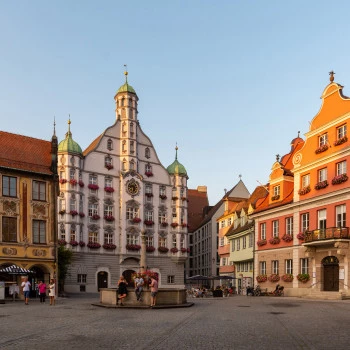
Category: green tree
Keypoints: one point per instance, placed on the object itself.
(64, 260)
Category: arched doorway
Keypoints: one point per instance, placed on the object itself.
(102, 280)
(127, 275)
(330, 274)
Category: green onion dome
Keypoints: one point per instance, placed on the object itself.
(68, 144)
(176, 168)
(126, 87)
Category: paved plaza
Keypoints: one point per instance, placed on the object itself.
(237, 322)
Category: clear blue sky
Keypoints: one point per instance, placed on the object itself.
(231, 82)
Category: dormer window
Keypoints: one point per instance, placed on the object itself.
(147, 153)
(109, 145)
(108, 163)
(276, 190)
(148, 170)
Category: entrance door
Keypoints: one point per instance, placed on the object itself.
(330, 273)
(102, 280)
(127, 275)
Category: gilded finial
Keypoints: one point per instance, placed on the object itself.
(331, 78)
(126, 73)
(176, 148)
(277, 157)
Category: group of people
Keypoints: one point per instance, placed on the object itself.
(138, 285)
(42, 287)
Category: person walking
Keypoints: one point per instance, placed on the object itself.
(139, 282)
(122, 290)
(26, 290)
(52, 292)
(154, 291)
(42, 291)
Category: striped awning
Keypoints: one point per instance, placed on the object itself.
(15, 270)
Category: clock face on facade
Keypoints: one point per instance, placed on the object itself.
(132, 188)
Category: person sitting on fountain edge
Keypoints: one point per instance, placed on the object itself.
(139, 282)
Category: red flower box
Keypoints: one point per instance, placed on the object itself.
(150, 249)
(81, 215)
(74, 243)
(93, 187)
(109, 166)
(63, 181)
(339, 179)
(321, 185)
(109, 217)
(133, 247)
(73, 212)
(274, 278)
(149, 173)
(162, 196)
(109, 246)
(62, 242)
(82, 244)
(174, 224)
(95, 217)
(304, 190)
(109, 189)
(287, 238)
(261, 278)
(174, 250)
(261, 242)
(94, 245)
(340, 141)
(136, 220)
(321, 149)
(163, 249)
(164, 224)
(148, 222)
(301, 236)
(81, 183)
(73, 182)
(274, 240)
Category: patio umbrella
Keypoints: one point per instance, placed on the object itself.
(198, 278)
(15, 270)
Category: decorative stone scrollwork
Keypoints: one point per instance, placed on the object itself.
(93, 227)
(39, 210)
(163, 233)
(133, 230)
(108, 229)
(9, 251)
(148, 206)
(149, 233)
(162, 208)
(132, 203)
(109, 201)
(39, 252)
(310, 252)
(93, 199)
(10, 207)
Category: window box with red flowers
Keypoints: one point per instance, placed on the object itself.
(174, 198)
(147, 194)
(94, 245)
(288, 277)
(274, 240)
(183, 198)
(82, 244)
(136, 220)
(133, 247)
(184, 250)
(174, 250)
(304, 190)
(81, 215)
(261, 242)
(62, 242)
(93, 187)
(320, 185)
(62, 212)
(303, 277)
(162, 196)
(73, 212)
(150, 249)
(287, 237)
(149, 173)
(74, 243)
(63, 181)
(174, 224)
(148, 222)
(73, 182)
(184, 225)
(301, 236)
(339, 179)
(109, 217)
(261, 278)
(340, 141)
(321, 149)
(81, 183)
(95, 217)
(109, 246)
(275, 198)
(163, 249)
(109, 189)
(108, 166)
(274, 278)
(164, 224)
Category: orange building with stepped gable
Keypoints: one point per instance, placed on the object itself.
(302, 239)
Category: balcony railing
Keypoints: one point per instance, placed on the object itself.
(327, 233)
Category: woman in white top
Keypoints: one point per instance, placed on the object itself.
(52, 291)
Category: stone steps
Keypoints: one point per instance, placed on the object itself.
(316, 294)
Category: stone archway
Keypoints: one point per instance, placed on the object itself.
(330, 274)
(102, 280)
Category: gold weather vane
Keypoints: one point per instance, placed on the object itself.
(126, 73)
(331, 78)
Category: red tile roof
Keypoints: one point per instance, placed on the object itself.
(25, 153)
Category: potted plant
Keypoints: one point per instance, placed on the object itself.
(133, 247)
(164, 224)
(274, 240)
(93, 187)
(184, 225)
(288, 277)
(303, 277)
(62, 242)
(63, 181)
(95, 217)
(174, 198)
(148, 222)
(148, 194)
(287, 238)
(109, 217)
(82, 244)
(184, 250)
(321, 149)
(340, 141)
(339, 179)
(274, 277)
(275, 198)
(261, 278)
(304, 190)
(301, 236)
(320, 185)
(93, 245)
(109, 246)
(148, 173)
(81, 183)
(174, 224)
(73, 182)
(163, 249)
(136, 220)
(73, 243)
(109, 189)
(73, 212)
(108, 166)
(81, 215)
(174, 250)
(62, 212)
(150, 249)
(261, 242)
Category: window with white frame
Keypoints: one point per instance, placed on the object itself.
(323, 140)
(276, 190)
(174, 213)
(132, 239)
(108, 181)
(174, 241)
(39, 190)
(305, 180)
(132, 212)
(322, 219)
(62, 232)
(108, 210)
(92, 209)
(340, 212)
(149, 241)
(341, 131)
(304, 265)
(322, 175)
(148, 169)
(289, 266)
(162, 241)
(244, 242)
(223, 261)
(73, 234)
(222, 241)
(93, 237)
(274, 265)
(262, 267)
(73, 204)
(233, 245)
(108, 238)
(289, 226)
(109, 145)
(149, 215)
(108, 162)
(171, 279)
(161, 217)
(305, 218)
(162, 191)
(92, 179)
(81, 278)
(229, 221)
(71, 174)
(251, 240)
(263, 230)
(238, 244)
(222, 223)
(182, 242)
(341, 168)
(275, 228)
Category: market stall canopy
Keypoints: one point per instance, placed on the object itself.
(198, 278)
(15, 270)
(222, 278)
